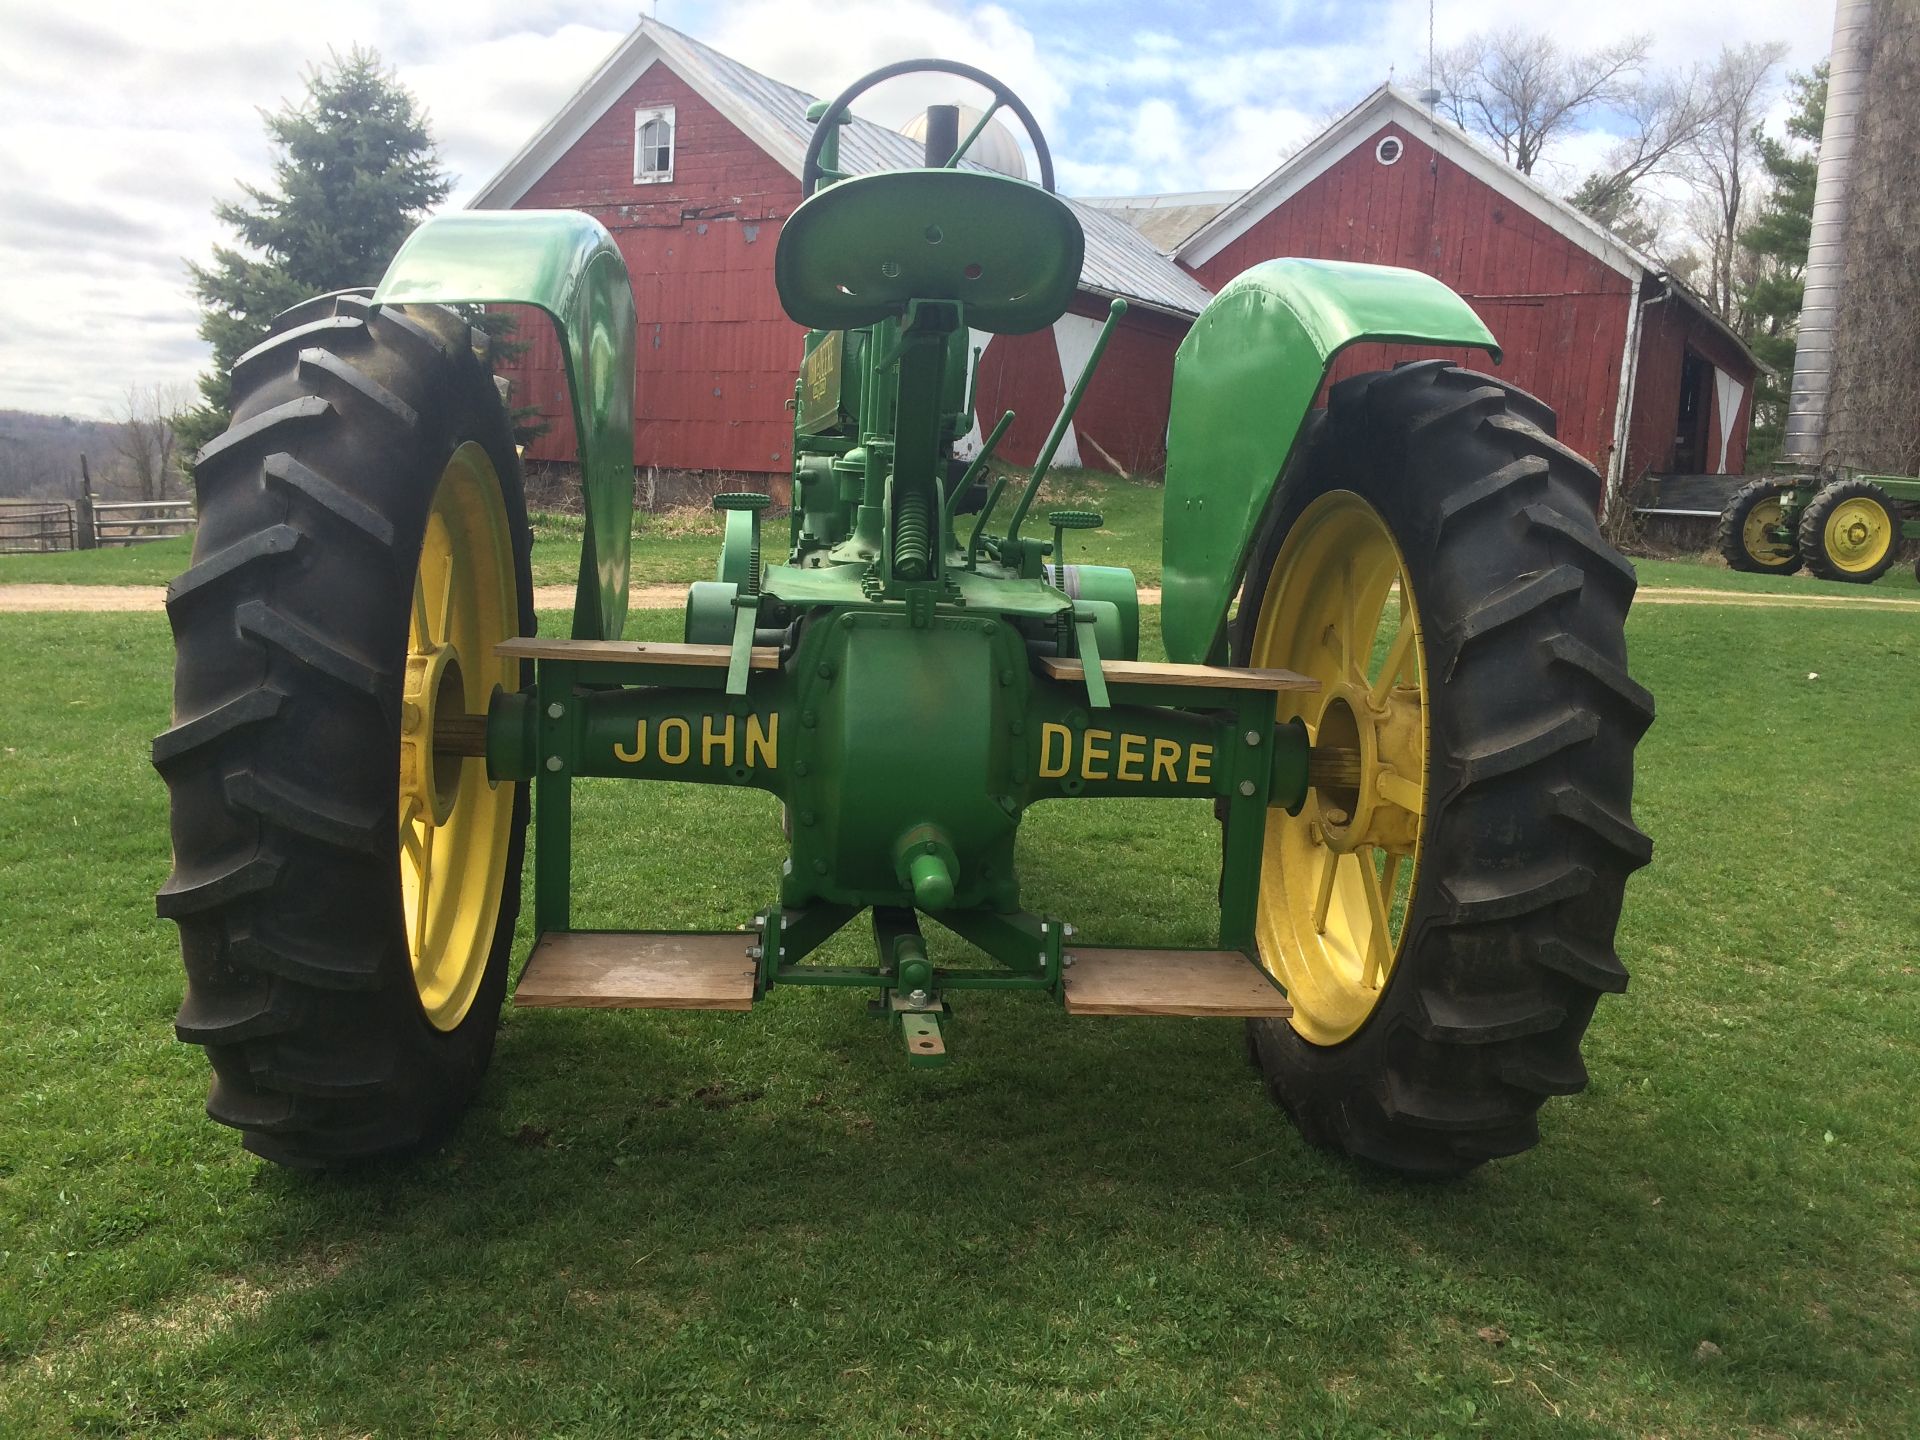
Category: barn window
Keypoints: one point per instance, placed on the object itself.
(1388, 150)
(653, 145)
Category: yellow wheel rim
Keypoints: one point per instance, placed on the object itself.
(1858, 535)
(454, 822)
(1336, 879)
(1756, 533)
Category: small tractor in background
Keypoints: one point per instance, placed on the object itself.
(1416, 729)
(1841, 527)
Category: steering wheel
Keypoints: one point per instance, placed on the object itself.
(812, 170)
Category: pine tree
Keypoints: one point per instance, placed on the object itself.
(356, 170)
(1778, 239)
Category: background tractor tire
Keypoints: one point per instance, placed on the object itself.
(1526, 836)
(293, 631)
(1850, 531)
(1738, 548)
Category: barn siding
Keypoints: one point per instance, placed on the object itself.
(1124, 411)
(716, 356)
(1668, 327)
(1559, 312)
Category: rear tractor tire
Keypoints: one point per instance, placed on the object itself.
(1746, 536)
(346, 878)
(1442, 910)
(1850, 531)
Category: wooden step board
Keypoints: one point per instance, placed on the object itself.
(1155, 672)
(634, 652)
(612, 970)
(1169, 982)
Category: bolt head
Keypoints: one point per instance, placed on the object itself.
(1246, 787)
(917, 997)
(556, 710)
(1253, 737)
(554, 762)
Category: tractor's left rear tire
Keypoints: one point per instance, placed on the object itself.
(1745, 535)
(1442, 911)
(346, 878)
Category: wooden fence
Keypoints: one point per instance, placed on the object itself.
(128, 522)
(29, 527)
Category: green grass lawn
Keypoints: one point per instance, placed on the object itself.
(767, 1225)
(154, 563)
(1899, 583)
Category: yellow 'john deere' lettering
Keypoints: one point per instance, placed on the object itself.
(1123, 756)
(721, 741)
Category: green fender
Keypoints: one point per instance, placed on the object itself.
(1243, 380)
(564, 263)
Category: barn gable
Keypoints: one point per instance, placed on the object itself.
(1392, 183)
(717, 354)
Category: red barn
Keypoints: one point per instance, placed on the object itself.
(692, 161)
(1643, 376)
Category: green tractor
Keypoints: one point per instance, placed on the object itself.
(1416, 728)
(1841, 527)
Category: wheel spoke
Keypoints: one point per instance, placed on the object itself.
(425, 860)
(1398, 790)
(446, 601)
(422, 629)
(411, 844)
(1329, 867)
(1378, 939)
(1397, 655)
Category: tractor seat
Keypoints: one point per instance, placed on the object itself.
(858, 251)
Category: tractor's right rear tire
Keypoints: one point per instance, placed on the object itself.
(1442, 910)
(1742, 537)
(1850, 531)
(346, 878)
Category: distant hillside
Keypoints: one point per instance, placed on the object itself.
(40, 455)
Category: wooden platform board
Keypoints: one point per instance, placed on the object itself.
(633, 652)
(608, 970)
(1205, 677)
(1169, 982)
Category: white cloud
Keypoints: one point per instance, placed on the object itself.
(125, 121)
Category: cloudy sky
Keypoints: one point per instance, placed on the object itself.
(123, 122)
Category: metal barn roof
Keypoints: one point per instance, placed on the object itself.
(1120, 261)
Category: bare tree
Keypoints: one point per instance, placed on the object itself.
(145, 440)
(1667, 114)
(1519, 89)
(1720, 163)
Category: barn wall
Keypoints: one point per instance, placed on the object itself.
(716, 357)
(1125, 408)
(1668, 328)
(1559, 312)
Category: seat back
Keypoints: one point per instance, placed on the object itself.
(859, 250)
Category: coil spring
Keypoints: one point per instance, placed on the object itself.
(912, 537)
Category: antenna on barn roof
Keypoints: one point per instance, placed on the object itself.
(1430, 97)
(1432, 89)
